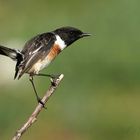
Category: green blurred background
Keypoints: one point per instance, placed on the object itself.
(99, 98)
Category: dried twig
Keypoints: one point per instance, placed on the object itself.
(37, 110)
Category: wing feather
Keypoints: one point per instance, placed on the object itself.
(34, 50)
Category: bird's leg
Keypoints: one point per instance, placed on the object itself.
(52, 76)
(37, 97)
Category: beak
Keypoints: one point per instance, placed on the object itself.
(85, 34)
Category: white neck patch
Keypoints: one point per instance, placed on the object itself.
(60, 42)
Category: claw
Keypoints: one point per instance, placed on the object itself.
(54, 79)
(39, 101)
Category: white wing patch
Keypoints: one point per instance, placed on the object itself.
(60, 42)
(30, 53)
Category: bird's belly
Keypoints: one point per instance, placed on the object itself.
(42, 63)
(39, 65)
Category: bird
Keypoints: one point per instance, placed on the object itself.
(40, 51)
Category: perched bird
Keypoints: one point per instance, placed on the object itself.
(39, 52)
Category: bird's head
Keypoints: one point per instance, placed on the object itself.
(70, 34)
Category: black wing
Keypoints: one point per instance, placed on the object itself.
(35, 49)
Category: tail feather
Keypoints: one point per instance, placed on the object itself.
(12, 53)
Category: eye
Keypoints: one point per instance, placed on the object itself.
(71, 32)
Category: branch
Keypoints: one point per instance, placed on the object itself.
(38, 109)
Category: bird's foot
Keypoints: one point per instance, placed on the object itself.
(40, 101)
(54, 79)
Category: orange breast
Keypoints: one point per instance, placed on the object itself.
(41, 63)
(54, 52)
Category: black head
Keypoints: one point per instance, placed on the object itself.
(70, 34)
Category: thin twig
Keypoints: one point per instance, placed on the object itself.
(37, 110)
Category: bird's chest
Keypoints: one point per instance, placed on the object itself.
(46, 60)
